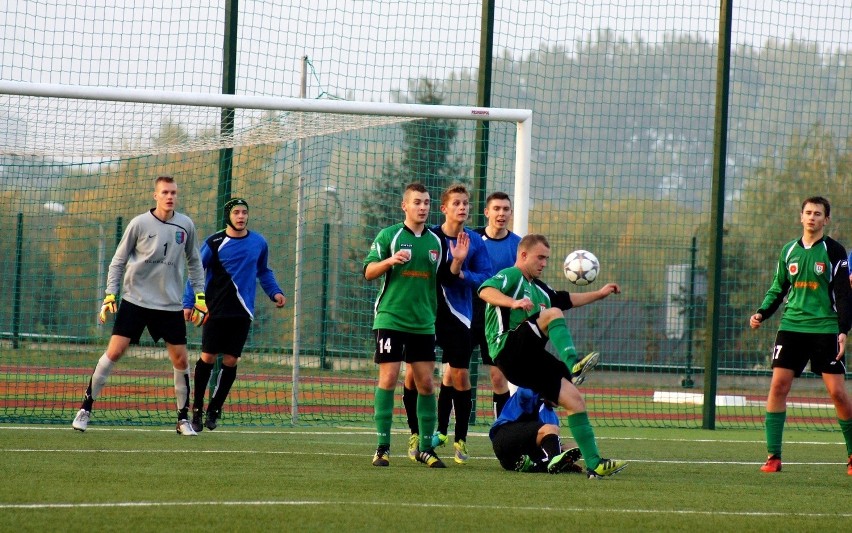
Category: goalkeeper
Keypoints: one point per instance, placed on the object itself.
(233, 259)
(149, 263)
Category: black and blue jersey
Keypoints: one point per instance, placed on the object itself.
(232, 265)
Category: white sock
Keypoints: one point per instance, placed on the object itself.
(100, 375)
(182, 388)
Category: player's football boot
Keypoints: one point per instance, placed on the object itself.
(438, 440)
(581, 370)
(607, 467)
(382, 456)
(565, 462)
(524, 464)
(460, 449)
(413, 446)
(196, 420)
(185, 428)
(773, 464)
(212, 421)
(849, 466)
(81, 421)
(428, 458)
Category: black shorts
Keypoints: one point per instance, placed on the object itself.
(132, 319)
(793, 350)
(455, 341)
(395, 346)
(225, 335)
(526, 363)
(511, 441)
(477, 332)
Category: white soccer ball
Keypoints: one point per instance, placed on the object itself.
(581, 267)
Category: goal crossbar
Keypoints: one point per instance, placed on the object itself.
(287, 129)
(269, 103)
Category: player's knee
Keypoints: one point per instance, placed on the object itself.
(548, 429)
(570, 398)
(499, 381)
(549, 315)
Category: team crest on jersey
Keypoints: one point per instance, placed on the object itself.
(180, 236)
(433, 255)
(793, 269)
(819, 268)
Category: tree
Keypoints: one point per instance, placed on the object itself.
(427, 157)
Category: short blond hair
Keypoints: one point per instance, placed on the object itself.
(528, 241)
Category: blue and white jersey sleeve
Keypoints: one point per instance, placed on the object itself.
(233, 266)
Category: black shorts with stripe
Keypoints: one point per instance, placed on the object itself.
(526, 362)
(454, 338)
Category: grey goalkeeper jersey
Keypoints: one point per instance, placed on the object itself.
(150, 259)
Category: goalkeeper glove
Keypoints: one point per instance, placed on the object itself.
(199, 311)
(108, 305)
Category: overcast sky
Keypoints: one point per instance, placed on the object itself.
(138, 43)
(358, 49)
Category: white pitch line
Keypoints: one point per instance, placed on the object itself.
(337, 504)
(338, 454)
(354, 431)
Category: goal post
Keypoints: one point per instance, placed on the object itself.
(85, 127)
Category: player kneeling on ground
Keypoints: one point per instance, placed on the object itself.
(525, 437)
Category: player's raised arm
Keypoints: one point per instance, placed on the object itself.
(498, 299)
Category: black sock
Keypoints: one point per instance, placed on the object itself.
(409, 400)
(500, 400)
(87, 399)
(463, 402)
(202, 378)
(226, 378)
(550, 446)
(445, 407)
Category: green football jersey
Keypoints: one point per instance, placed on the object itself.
(499, 321)
(408, 297)
(815, 282)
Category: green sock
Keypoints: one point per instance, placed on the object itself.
(383, 406)
(562, 341)
(427, 416)
(584, 436)
(846, 428)
(775, 431)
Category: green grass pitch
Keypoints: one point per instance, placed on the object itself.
(311, 479)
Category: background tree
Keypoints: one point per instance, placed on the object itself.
(427, 157)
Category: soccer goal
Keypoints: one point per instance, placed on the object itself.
(321, 177)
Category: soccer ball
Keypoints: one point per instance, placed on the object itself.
(581, 267)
